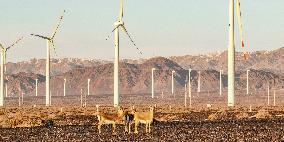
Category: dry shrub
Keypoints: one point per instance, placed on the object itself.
(218, 116)
(242, 115)
(15, 118)
(262, 114)
(167, 117)
(4, 121)
(213, 116)
(2, 111)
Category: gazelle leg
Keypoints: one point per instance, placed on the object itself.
(125, 127)
(146, 127)
(149, 127)
(99, 128)
(129, 128)
(113, 126)
(136, 131)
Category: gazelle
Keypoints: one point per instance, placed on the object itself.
(128, 118)
(107, 118)
(145, 118)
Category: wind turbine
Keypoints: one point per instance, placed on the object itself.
(189, 87)
(3, 62)
(89, 86)
(49, 42)
(231, 50)
(199, 76)
(64, 87)
(36, 86)
(248, 82)
(220, 88)
(119, 24)
(173, 83)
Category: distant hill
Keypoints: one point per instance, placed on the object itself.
(271, 61)
(58, 66)
(135, 75)
(136, 79)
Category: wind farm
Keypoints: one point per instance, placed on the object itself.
(191, 76)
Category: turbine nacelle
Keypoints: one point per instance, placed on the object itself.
(50, 40)
(118, 23)
(5, 49)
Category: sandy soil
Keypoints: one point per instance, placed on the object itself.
(177, 124)
(172, 121)
(257, 130)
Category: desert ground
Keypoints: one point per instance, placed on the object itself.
(66, 120)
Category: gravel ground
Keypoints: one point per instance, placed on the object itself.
(243, 130)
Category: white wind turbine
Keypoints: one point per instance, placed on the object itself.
(189, 87)
(89, 86)
(3, 62)
(173, 83)
(220, 87)
(117, 25)
(64, 87)
(231, 50)
(199, 76)
(49, 42)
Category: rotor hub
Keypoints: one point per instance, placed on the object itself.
(118, 23)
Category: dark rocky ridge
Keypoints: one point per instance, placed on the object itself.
(136, 78)
(136, 75)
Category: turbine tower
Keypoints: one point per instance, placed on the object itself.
(36, 86)
(231, 50)
(89, 86)
(117, 25)
(189, 87)
(3, 62)
(248, 82)
(49, 43)
(64, 87)
(199, 76)
(221, 72)
(173, 82)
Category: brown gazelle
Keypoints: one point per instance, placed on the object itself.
(128, 120)
(107, 118)
(145, 118)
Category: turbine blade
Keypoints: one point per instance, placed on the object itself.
(57, 27)
(1, 46)
(5, 56)
(124, 29)
(121, 10)
(239, 15)
(52, 43)
(44, 37)
(15, 43)
(111, 32)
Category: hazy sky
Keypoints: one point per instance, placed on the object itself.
(159, 27)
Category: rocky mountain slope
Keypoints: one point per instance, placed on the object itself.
(271, 61)
(266, 68)
(58, 66)
(22, 83)
(136, 78)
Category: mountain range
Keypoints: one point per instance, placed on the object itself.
(135, 75)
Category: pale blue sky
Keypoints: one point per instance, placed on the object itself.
(160, 27)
